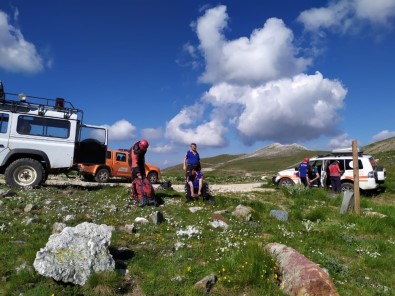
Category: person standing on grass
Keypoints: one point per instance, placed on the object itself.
(303, 171)
(191, 160)
(137, 159)
(313, 177)
(334, 175)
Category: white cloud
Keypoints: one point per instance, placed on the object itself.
(344, 15)
(152, 133)
(121, 130)
(287, 110)
(341, 141)
(268, 53)
(184, 128)
(378, 11)
(162, 148)
(257, 89)
(17, 54)
(385, 134)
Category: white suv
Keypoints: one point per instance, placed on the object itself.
(40, 136)
(370, 175)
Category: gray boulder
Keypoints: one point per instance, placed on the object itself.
(279, 215)
(72, 255)
(206, 283)
(243, 212)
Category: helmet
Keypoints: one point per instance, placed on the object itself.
(143, 144)
(306, 159)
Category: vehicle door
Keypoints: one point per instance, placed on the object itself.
(121, 166)
(324, 176)
(91, 145)
(4, 134)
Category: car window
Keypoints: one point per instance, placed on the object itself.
(121, 156)
(349, 165)
(3, 122)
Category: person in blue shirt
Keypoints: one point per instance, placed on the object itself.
(191, 160)
(195, 182)
(303, 171)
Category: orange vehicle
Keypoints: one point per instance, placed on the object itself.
(117, 165)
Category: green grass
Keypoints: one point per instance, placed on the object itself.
(358, 251)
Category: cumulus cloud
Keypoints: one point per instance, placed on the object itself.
(344, 15)
(300, 108)
(385, 134)
(258, 89)
(121, 130)
(268, 53)
(183, 128)
(152, 133)
(341, 141)
(16, 53)
(162, 148)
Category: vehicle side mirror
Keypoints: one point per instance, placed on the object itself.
(296, 168)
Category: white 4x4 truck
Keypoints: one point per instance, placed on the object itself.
(370, 175)
(40, 136)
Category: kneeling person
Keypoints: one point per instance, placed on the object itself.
(195, 186)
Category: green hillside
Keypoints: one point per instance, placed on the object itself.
(245, 166)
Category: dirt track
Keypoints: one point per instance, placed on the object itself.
(62, 181)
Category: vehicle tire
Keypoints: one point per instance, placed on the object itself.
(347, 186)
(153, 177)
(102, 176)
(286, 182)
(24, 173)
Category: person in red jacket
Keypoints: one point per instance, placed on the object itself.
(137, 159)
(334, 174)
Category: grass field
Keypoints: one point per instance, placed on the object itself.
(357, 250)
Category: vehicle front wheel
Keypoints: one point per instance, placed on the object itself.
(347, 187)
(102, 176)
(24, 173)
(153, 177)
(286, 182)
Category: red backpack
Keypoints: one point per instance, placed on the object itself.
(143, 192)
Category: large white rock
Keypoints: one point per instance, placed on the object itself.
(72, 255)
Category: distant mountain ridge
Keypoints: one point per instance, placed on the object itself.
(275, 157)
(277, 149)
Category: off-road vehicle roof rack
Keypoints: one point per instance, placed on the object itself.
(22, 103)
(344, 152)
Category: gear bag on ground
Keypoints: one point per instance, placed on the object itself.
(143, 192)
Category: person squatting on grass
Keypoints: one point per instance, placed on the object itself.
(195, 181)
(196, 187)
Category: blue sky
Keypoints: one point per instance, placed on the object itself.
(232, 76)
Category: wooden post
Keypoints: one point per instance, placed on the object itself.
(356, 177)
